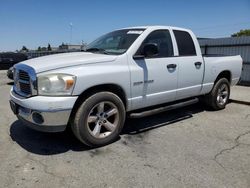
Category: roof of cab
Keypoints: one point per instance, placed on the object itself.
(155, 27)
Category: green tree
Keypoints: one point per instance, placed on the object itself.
(25, 49)
(243, 32)
(39, 48)
(49, 47)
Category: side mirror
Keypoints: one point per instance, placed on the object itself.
(149, 50)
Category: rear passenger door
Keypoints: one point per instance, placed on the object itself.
(191, 66)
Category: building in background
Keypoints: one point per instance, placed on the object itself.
(230, 46)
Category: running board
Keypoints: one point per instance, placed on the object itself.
(163, 109)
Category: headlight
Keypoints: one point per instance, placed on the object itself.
(56, 84)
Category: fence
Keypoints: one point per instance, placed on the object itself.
(230, 46)
(33, 54)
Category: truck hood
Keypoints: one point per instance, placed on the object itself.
(62, 60)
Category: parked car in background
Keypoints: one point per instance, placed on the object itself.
(9, 59)
(132, 72)
(10, 73)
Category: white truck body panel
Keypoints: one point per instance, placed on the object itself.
(63, 60)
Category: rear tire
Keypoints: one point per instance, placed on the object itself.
(218, 98)
(99, 120)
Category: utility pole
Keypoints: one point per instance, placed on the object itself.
(71, 28)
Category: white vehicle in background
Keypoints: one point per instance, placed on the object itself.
(135, 71)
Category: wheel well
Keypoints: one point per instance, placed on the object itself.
(104, 87)
(224, 74)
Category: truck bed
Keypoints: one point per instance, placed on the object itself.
(216, 63)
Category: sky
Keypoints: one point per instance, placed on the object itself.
(36, 23)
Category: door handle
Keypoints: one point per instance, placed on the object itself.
(197, 63)
(171, 66)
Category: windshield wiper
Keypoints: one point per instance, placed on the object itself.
(96, 50)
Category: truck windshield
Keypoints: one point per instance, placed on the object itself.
(115, 43)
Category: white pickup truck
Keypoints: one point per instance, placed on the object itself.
(121, 73)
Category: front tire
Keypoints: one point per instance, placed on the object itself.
(99, 120)
(218, 98)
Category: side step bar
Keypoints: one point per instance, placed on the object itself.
(163, 109)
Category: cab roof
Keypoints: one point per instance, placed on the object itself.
(153, 27)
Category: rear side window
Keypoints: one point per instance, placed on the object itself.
(185, 43)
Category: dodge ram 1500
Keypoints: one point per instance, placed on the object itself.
(120, 74)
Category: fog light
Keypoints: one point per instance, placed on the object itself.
(37, 118)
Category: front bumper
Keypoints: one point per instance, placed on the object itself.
(42, 113)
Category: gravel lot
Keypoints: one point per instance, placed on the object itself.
(189, 147)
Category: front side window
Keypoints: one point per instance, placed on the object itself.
(116, 42)
(185, 43)
(163, 41)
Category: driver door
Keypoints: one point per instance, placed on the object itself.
(154, 79)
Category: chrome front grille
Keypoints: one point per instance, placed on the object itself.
(23, 75)
(25, 87)
(24, 80)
